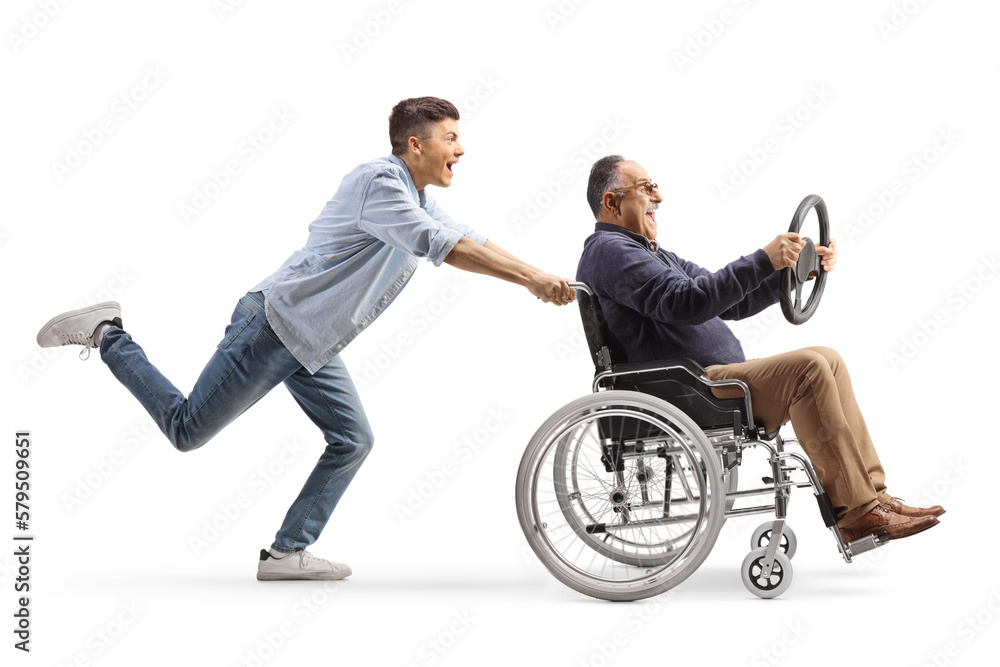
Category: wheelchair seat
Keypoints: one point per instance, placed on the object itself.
(678, 381)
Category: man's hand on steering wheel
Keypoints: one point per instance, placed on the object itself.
(801, 260)
(784, 250)
(828, 256)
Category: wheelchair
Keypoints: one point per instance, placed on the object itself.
(622, 493)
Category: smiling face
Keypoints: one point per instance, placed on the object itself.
(634, 210)
(431, 159)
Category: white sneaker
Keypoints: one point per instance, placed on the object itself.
(299, 565)
(77, 327)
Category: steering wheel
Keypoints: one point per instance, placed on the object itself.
(793, 278)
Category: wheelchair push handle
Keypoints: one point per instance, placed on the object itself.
(583, 287)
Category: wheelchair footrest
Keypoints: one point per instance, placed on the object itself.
(867, 543)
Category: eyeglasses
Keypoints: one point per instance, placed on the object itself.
(646, 186)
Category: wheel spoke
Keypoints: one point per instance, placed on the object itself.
(571, 490)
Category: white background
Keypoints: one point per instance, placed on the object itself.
(544, 89)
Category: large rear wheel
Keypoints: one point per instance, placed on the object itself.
(620, 495)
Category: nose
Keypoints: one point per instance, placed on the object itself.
(459, 151)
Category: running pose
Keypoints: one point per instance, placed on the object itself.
(291, 327)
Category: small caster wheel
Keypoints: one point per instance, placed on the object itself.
(773, 586)
(761, 537)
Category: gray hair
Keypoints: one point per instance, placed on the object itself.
(604, 177)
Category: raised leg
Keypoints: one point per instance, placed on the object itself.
(247, 363)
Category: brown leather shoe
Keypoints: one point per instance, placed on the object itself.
(897, 506)
(882, 519)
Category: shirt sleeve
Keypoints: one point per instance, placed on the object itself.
(764, 296)
(439, 214)
(757, 299)
(671, 290)
(390, 215)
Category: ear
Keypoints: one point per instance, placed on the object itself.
(610, 201)
(413, 145)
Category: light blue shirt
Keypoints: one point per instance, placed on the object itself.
(361, 251)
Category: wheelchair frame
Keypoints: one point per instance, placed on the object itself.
(772, 543)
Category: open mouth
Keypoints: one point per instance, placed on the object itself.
(651, 215)
(449, 165)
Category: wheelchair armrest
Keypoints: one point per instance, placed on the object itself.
(690, 365)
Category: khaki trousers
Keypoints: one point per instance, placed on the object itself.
(813, 389)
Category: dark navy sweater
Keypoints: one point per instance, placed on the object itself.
(659, 306)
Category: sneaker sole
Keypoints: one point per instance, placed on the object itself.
(73, 313)
(313, 576)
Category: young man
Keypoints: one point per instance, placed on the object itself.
(291, 327)
(660, 306)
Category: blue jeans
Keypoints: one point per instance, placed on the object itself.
(248, 363)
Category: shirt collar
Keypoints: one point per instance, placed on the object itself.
(608, 227)
(408, 179)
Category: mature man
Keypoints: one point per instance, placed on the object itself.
(660, 306)
(291, 327)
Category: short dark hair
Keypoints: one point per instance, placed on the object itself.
(411, 118)
(604, 177)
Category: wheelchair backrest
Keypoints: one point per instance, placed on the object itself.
(595, 329)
